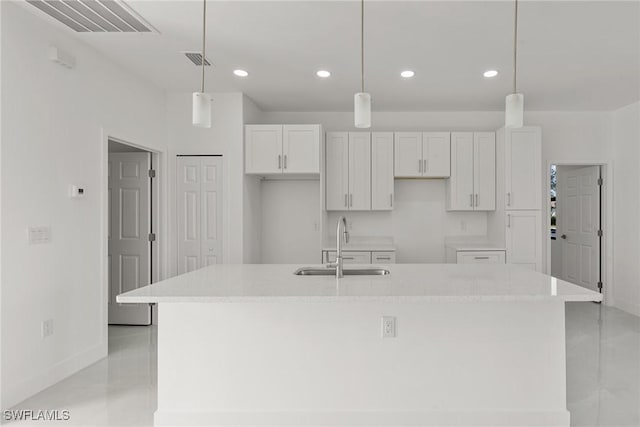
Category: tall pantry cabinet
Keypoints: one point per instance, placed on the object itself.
(518, 217)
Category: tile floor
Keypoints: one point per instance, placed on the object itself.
(603, 375)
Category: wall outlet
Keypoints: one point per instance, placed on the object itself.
(388, 327)
(47, 328)
(463, 225)
(39, 235)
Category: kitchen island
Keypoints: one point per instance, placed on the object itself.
(257, 345)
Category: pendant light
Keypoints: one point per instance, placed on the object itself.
(202, 100)
(514, 105)
(362, 100)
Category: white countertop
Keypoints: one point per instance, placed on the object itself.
(473, 243)
(362, 247)
(236, 283)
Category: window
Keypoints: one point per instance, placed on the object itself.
(552, 195)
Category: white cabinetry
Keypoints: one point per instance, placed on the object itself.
(524, 239)
(472, 186)
(361, 257)
(523, 168)
(480, 257)
(282, 149)
(381, 171)
(348, 171)
(422, 154)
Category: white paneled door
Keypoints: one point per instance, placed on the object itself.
(129, 229)
(578, 214)
(199, 212)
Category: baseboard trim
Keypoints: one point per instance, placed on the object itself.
(628, 307)
(16, 393)
(361, 419)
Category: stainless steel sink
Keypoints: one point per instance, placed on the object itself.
(315, 271)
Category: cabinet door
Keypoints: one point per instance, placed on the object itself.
(359, 171)
(350, 257)
(436, 154)
(408, 154)
(301, 149)
(378, 257)
(523, 168)
(524, 239)
(484, 171)
(382, 171)
(337, 171)
(263, 149)
(460, 186)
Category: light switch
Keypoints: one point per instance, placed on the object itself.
(39, 235)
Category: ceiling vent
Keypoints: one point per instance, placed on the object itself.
(95, 16)
(196, 58)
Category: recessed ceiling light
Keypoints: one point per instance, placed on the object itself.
(490, 73)
(240, 73)
(407, 74)
(323, 73)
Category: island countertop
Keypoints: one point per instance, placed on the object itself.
(235, 283)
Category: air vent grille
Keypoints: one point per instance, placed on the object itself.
(94, 16)
(196, 58)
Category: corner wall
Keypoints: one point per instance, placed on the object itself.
(52, 136)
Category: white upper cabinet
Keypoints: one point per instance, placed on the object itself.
(436, 154)
(523, 168)
(301, 149)
(422, 154)
(348, 171)
(359, 171)
(460, 185)
(382, 171)
(408, 154)
(282, 149)
(472, 186)
(263, 149)
(337, 171)
(484, 170)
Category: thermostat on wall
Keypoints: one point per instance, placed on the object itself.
(76, 192)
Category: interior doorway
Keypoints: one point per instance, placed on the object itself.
(576, 224)
(131, 234)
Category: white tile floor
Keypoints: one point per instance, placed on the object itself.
(603, 375)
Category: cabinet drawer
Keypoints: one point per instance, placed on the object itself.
(350, 257)
(480, 257)
(383, 257)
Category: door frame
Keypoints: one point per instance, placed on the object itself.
(606, 221)
(158, 207)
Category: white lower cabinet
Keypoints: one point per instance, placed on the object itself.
(361, 257)
(480, 257)
(524, 239)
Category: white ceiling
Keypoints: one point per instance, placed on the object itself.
(573, 55)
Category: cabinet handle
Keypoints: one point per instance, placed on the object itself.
(348, 257)
(508, 220)
(471, 200)
(350, 200)
(346, 203)
(391, 199)
(476, 199)
(285, 161)
(384, 258)
(509, 199)
(480, 257)
(279, 161)
(420, 165)
(424, 166)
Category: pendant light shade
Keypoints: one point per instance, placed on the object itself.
(362, 110)
(202, 109)
(514, 111)
(201, 115)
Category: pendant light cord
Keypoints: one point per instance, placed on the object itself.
(362, 43)
(204, 38)
(515, 48)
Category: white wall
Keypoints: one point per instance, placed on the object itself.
(626, 151)
(52, 137)
(225, 137)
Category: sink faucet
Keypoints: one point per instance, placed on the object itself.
(345, 234)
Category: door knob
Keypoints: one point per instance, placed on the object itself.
(564, 236)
